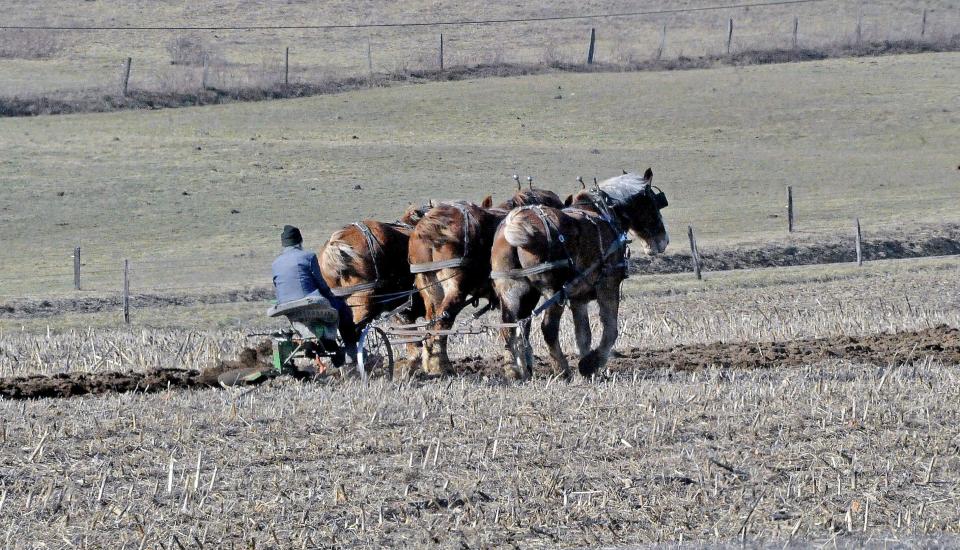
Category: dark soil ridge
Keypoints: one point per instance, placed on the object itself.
(940, 344)
(940, 240)
(142, 99)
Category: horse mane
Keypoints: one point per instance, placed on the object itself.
(623, 188)
(338, 257)
(526, 197)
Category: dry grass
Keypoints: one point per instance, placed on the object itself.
(658, 312)
(724, 143)
(835, 451)
(92, 62)
(840, 452)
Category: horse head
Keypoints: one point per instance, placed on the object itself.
(635, 203)
(413, 213)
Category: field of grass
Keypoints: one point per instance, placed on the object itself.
(57, 63)
(854, 137)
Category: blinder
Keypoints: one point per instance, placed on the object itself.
(659, 198)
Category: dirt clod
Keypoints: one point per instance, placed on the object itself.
(940, 344)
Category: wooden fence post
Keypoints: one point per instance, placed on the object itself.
(663, 41)
(369, 59)
(796, 27)
(789, 209)
(76, 268)
(859, 26)
(593, 42)
(126, 76)
(286, 67)
(694, 253)
(203, 78)
(126, 291)
(729, 35)
(441, 52)
(859, 245)
(923, 24)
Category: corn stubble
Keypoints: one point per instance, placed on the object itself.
(828, 451)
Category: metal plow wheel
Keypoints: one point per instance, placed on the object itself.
(375, 354)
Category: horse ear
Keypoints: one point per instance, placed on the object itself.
(568, 201)
(648, 176)
(432, 203)
(487, 202)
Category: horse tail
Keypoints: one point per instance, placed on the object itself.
(338, 258)
(518, 230)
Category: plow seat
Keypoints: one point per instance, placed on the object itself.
(311, 317)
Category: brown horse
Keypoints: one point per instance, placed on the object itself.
(449, 252)
(366, 264)
(576, 254)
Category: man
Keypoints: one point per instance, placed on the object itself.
(296, 275)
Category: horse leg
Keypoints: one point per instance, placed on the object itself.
(551, 335)
(581, 325)
(609, 301)
(404, 367)
(436, 360)
(517, 300)
(432, 295)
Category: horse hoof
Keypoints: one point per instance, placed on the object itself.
(433, 366)
(512, 372)
(590, 364)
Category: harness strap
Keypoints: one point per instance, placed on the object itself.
(535, 270)
(348, 290)
(372, 245)
(437, 266)
(453, 262)
(616, 245)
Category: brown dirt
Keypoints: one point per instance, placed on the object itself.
(941, 344)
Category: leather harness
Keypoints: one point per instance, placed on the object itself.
(452, 262)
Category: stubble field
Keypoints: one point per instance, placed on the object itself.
(804, 404)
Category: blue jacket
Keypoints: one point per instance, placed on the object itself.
(296, 275)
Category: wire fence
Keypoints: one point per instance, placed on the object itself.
(186, 55)
(210, 273)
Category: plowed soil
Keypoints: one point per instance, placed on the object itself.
(940, 344)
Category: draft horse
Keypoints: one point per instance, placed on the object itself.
(449, 254)
(366, 264)
(577, 254)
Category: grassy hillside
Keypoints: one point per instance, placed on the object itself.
(865, 138)
(57, 63)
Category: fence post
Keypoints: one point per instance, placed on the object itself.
(369, 59)
(203, 78)
(859, 245)
(789, 209)
(441, 52)
(796, 27)
(126, 76)
(663, 41)
(729, 35)
(923, 24)
(76, 268)
(126, 291)
(859, 25)
(593, 42)
(286, 67)
(694, 253)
